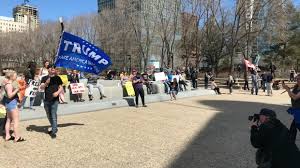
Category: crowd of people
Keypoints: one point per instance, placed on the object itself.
(52, 88)
(174, 82)
(259, 80)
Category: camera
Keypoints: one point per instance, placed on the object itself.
(254, 118)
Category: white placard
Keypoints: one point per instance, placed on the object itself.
(77, 88)
(32, 89)
(160, 76)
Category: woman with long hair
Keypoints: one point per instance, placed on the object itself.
(44, 70)
(10, 101)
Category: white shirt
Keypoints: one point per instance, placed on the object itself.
(213, 85)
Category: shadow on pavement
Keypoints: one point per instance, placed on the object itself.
(225, 140)
(44, 129)
(130, 101)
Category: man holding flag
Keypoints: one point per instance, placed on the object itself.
(73, 53)
(52, 84)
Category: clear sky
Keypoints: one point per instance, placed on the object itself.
(297, 2)
(53, 9)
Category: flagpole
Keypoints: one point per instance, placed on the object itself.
(61, 24)
(60, 37)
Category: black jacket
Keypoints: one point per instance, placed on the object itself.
(273, 138)
(74, 78)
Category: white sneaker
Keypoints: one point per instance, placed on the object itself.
(42, 104)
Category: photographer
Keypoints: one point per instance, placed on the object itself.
(270, 136)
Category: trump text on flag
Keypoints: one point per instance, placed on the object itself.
(78, 54)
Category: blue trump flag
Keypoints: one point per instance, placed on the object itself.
(76, 53)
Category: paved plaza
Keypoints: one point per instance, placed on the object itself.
(198, 132)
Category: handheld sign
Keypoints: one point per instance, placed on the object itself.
(64, 79)
(129, 88)
(160, 76)
(32, 89)
(76, 53)
(77, 88)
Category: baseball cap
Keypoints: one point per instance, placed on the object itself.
(268, 113)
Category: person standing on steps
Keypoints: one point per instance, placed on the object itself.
(194, 77)
(269, 84)
(263, 77)
(230, 83)
(75, 79)
(254, 78)
(138, 88)
(246, 84)
(206, 79)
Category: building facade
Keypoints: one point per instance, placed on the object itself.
(8, 24)
(27, 14)
(24, 18)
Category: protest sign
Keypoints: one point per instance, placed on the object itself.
(129, 89)
(160, 76)
(64, 79)
(77, 88)
(32, 88)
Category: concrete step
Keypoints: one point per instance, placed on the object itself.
(97, 105)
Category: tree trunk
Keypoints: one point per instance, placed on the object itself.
(232, 56)
(186, 59)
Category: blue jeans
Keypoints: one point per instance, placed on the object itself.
(167, 87)
(31, 101)
(51, 111)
